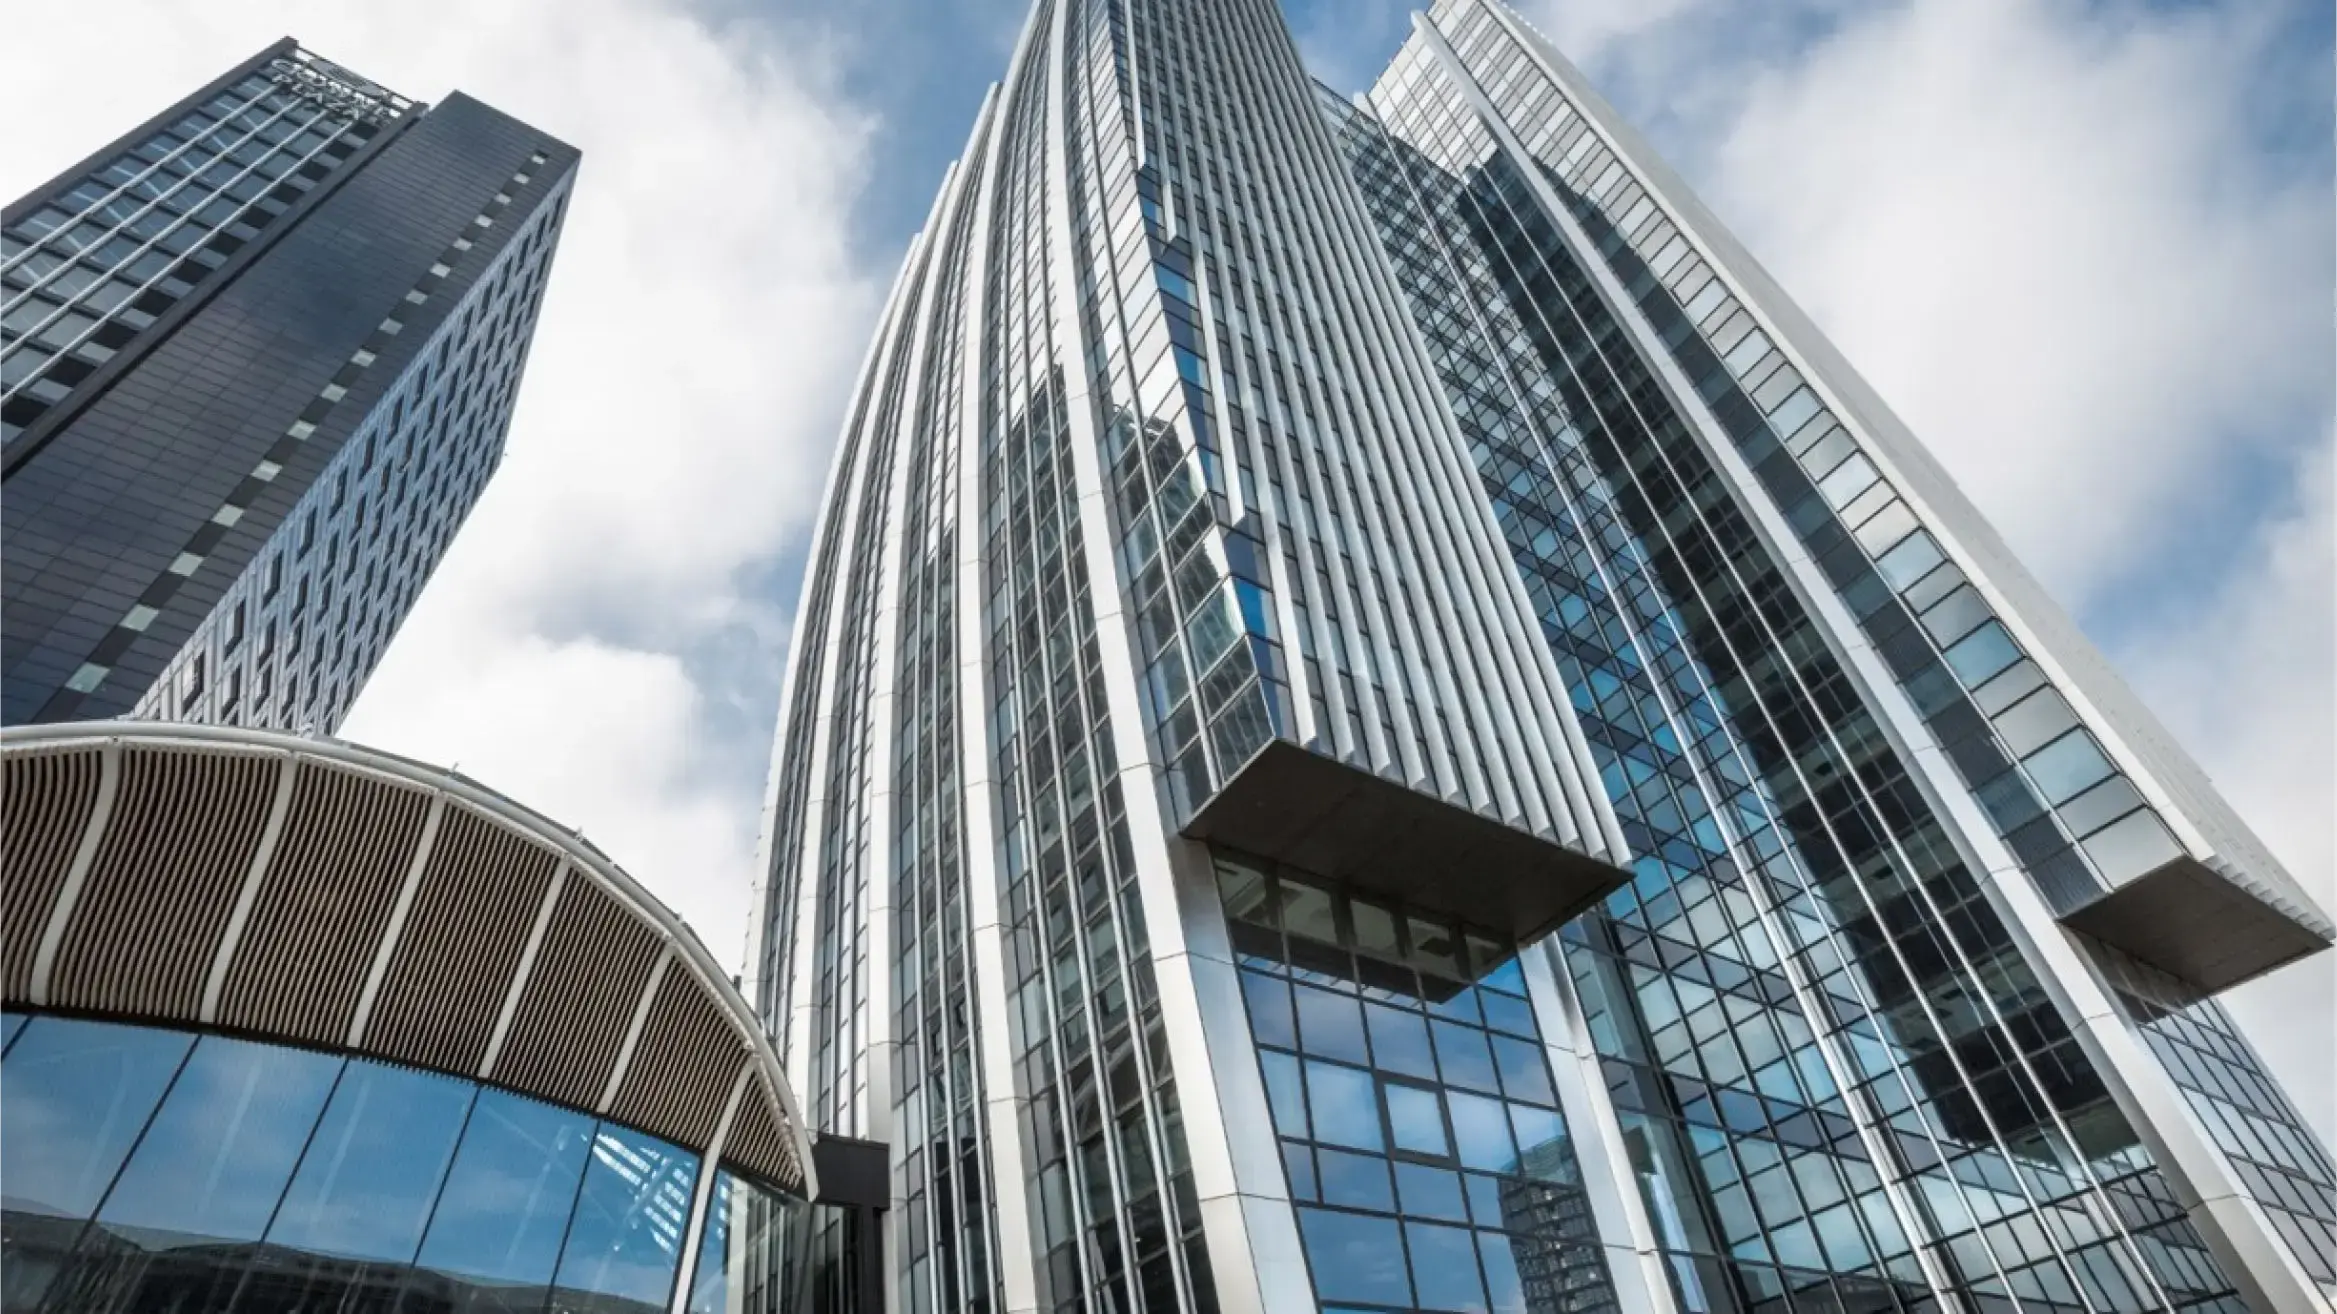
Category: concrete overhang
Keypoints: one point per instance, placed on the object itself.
(1383, 838)
(2186, 919)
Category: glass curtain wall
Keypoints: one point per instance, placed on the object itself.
(1839, 1079)
(205, 1174)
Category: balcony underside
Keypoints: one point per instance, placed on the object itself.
(1414, 849)
(2186, 919)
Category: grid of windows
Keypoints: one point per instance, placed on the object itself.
(1286, 514)
(376, 522)
(948, 1259)
(230, 521)
(1408, 1083)
(2285, 1167)
(1981, 1120)
(1116, 1215)
(2075, 823)
(1269, 418)
(94, 266)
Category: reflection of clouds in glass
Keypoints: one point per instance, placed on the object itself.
(1355, 1257)
(77, 1095)
(369, 1177)
(507, 1198)
(221, 1148)
(1346, 1111)
(1481, 1126)
(626, 1237)
(1444, 1263)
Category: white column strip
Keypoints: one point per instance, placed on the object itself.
(703, 1193)
(215, 980)
(109, 786)
(617, 1070)
(526, 969)
(396, 928)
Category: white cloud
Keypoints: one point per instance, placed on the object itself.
(2065, 243)
(2248, 680)
(2067, 278)
(578, 649)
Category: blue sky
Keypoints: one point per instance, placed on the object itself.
(2083, 246)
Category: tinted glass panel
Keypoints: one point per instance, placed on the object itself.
(508, 1196)
(223, 1146)
(710, 1279)
(78, 1095)
(1346, 1110)
(626, 1239)
(1444, 1265)
(366, 1184)
(1355, 1257)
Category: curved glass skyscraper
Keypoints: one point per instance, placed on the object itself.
(1378, 722)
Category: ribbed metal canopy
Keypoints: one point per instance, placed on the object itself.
(323, 894)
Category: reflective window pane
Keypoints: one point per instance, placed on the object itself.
(1416, 1120)
(366, 1184)
(1284, 1094)
(1427, 1192)
(224, 1144)
(626, 1238)
(1525, 1074)
(1330, 1025)
(1543, 1149)
(1355, 1257)
(1509, 1293)
(1481, 1129)
(508, 1196)
(1346, 1110)
(1358, 1181)
(1467, 1062)
(78, 1095)
(710, 1276)
(1444, 1266)
(1399, 1041)
(1269, 1002)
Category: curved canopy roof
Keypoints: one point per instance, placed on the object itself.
(329, 895)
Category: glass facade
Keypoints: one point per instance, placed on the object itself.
(158, 1169)
(1410, 1087)
(237, 444)
(93, 265)
(1440, 434)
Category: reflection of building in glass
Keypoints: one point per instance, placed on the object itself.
(258, 360)
(1288, 552)
(1542, 1204)
(293, 1025)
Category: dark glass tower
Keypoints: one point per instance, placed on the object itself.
(1379, 723)
(259, 358)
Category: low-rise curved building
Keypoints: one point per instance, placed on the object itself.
(295, 1025)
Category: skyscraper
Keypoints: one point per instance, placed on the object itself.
(260, 356)
(1379, 722)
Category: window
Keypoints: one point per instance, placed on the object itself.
(79, 1093)
(224, 1143)
(371, 1171)
(618, 1244)
(190, 683)
(506, 1202)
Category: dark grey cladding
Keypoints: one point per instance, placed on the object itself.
(140, 503)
